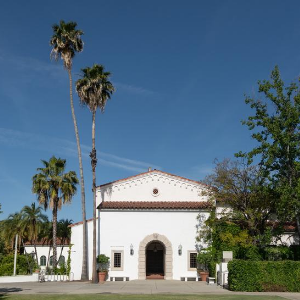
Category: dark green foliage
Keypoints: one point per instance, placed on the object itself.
(103, 262)
(61, 270)
(25, 265)
(275, 127)
(204, 258)
(212, 268)
(276, 253)
(295, 249)
(264, 276)
(229, 236)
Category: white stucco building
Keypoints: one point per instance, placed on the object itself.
(147, 226)
(44, 251)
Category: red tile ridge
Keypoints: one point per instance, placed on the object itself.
(155, 205)
(45, 242)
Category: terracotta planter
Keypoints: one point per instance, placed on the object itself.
(204, 275)
(102, 276)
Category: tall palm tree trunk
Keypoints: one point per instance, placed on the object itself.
(54, 221)
(36, 256)
(84, 273)
(94, 163)
(34, 242)
(48, 257)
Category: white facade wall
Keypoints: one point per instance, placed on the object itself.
(44, 250)
(139, 188)
(120, 229)
(76, 250)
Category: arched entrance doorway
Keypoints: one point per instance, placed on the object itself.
(168, 255)
(155, 260)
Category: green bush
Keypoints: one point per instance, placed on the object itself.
(25, 264)
(103, 262)
(276, 253)
(212, 269)
(264, 276)
(295, 249)
(204, 258)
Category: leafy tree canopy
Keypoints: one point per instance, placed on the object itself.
(243, 193)
(275, 126)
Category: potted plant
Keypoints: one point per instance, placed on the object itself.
(204, 257)
(103, 264)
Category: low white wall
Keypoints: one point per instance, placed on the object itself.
(20, 278)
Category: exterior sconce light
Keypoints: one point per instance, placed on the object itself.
(179, 249)
(131, 250)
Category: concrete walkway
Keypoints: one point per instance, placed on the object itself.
(129, 287)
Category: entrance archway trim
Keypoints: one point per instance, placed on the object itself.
(168, 255)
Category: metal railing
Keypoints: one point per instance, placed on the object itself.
(45, 276)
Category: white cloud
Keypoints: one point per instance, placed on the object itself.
(134, 89)
(29, 63)
(27, 140)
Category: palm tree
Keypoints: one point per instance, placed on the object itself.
(54, 188)
(66, 41)
(11, 227)
(64, 232)
(94, 89)
(32, 220)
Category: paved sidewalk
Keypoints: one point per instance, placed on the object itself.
(129, 287)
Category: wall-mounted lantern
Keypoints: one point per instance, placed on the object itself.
(179, 249)
(131, 250)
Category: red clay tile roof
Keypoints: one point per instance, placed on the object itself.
(79, 223)
(154, 205)
(45, 242)
(287, 226)
(154, 171)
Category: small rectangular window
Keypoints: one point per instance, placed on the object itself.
(193, 260)
(117, 260)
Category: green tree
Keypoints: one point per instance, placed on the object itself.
(94, 89)
(276, 130)
(54, 188)
(11, 227)
(64, 232)
(66, 41)
(243, 189)
(31, 222)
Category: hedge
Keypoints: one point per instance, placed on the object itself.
(264, 276)
(24, 263)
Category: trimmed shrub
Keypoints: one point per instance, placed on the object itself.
(264, 276)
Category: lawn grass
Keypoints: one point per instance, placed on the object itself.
(135, 297)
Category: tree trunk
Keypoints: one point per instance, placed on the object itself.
(84, 272)
(36, 256)
(61, 250)
(47, 265)
(54, 222)
(94, 163)
(34, 243)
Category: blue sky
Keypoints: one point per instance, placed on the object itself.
(180, 68)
